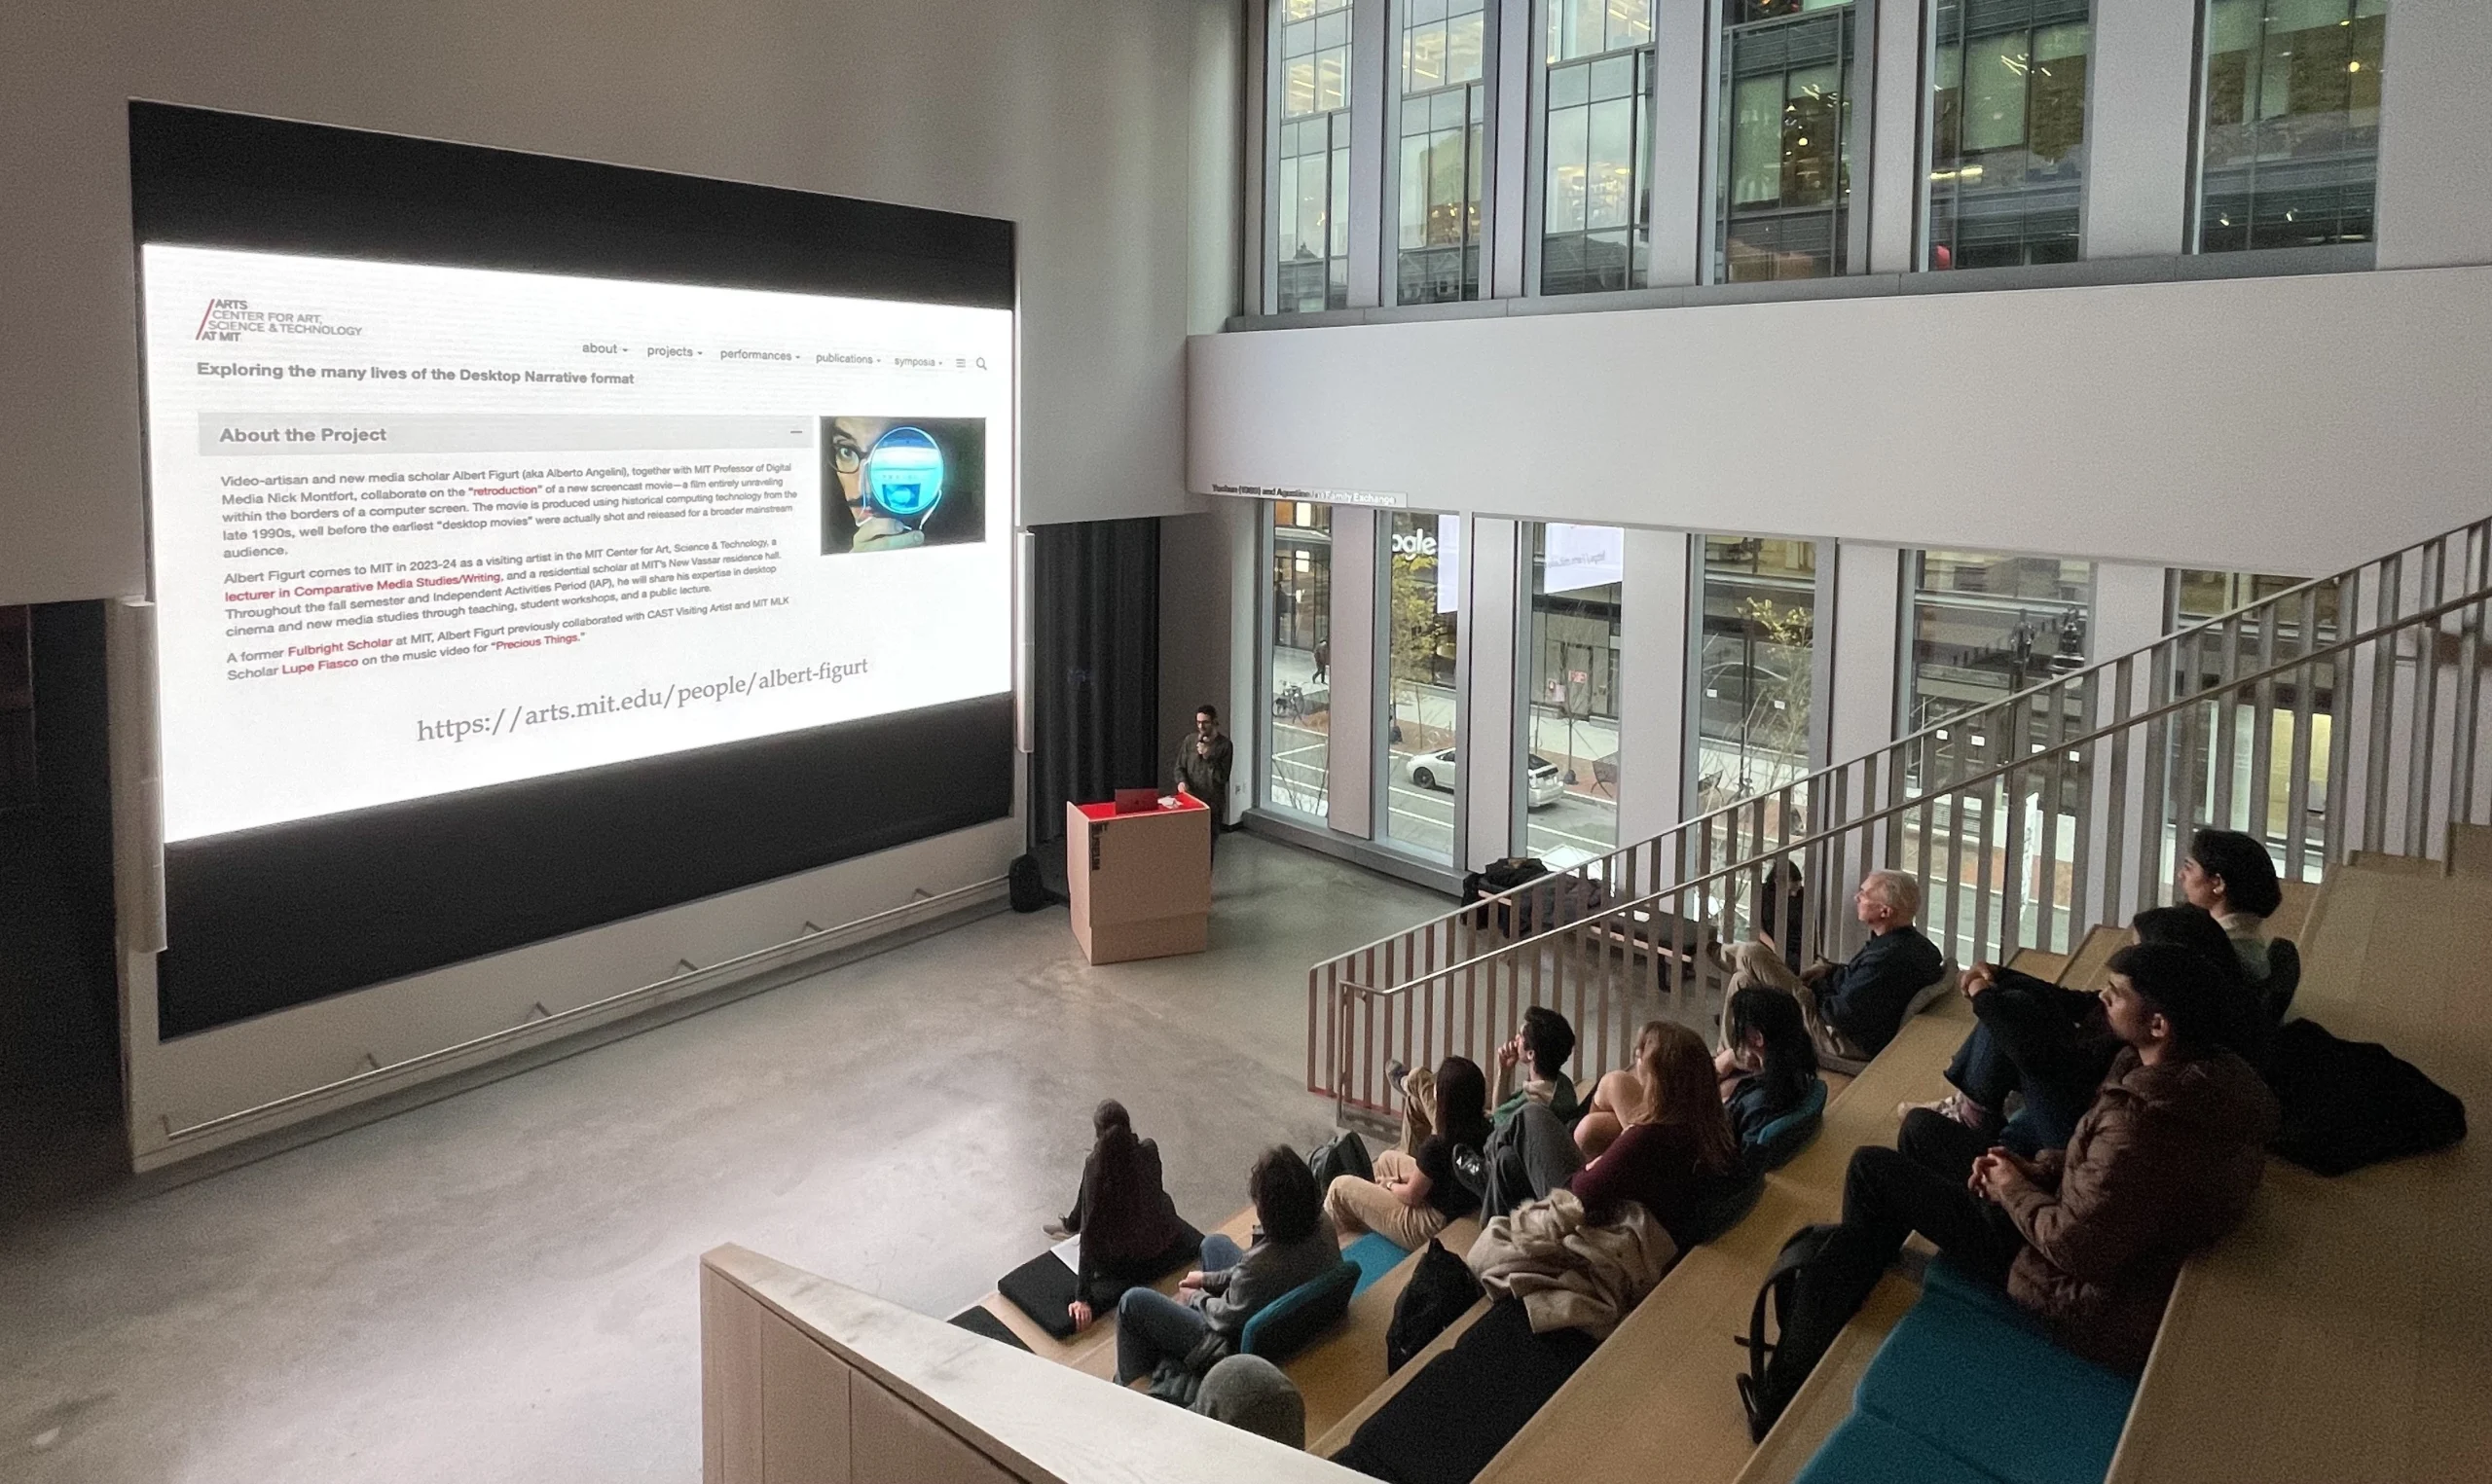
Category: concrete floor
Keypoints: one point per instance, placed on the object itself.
(501, 1285)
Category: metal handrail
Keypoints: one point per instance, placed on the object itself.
(1599, 867)
(1627, 909)
(2078, 815)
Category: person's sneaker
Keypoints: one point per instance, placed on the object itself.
(1394, 1072)
(1056, 1231)
(1957, 1106)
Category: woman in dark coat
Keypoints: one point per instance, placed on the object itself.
(1129, 1228)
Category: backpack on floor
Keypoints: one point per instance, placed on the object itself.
(1440, 1290)
(1027, 888)
(1345, 1153)
(1808, 1295)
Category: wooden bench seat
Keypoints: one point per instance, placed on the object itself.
(1334, 1375)
(1094, 1351)
(1656, 1402)
(1339, 1372)
(2345, 1332)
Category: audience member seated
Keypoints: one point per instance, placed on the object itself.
(2050, 1047)
(1852, 1008)
(1415, 1194)
(1298, 1243)
(2228, 875)
(1248, 1392)
(1129, 1229)
(1770, 1068)
(1539, 1048)
(2089, 1239)
(1669, 1160)
(1618, 1097)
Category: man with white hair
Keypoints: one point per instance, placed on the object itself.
(1853, 1009)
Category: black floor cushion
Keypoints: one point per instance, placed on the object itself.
(1044, 1288)
(1445, 1426)
(976, 1321)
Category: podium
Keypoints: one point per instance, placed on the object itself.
(1141, 882)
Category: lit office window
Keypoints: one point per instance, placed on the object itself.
(1755, 665)
(2007, 132)
(1569, 771)
(1310, 110)
(2291, 129)
(1442, 158)
(2300, 698)
(1422, 641)
(1299, 661)
(1783, 196)
(1595, 218)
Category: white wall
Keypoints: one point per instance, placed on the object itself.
(2436, 136)
(2265, 424)
(1099, 125)
(1075, 119)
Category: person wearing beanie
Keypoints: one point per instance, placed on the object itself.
(1250, 1394)
(2090, 1237)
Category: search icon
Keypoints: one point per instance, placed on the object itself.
(982, 363)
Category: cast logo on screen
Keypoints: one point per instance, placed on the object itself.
(235, 319)
(890, 484)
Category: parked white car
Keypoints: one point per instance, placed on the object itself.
(1438, 770)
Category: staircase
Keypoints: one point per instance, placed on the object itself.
(2340, 714)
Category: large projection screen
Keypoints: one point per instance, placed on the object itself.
(536, 543)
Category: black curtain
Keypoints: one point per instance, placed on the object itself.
(1094, 672)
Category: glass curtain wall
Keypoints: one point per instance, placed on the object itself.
(2282, 731)
(1783, 192)
(2007, 130)
(1595, 208)
(1299, 659)
(1422, 641)
(1569, 783)
(2291, 137)
(1310, 148)
(1755, 666)
(1985, 626)
(1442, 163)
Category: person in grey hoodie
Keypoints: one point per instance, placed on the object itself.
(1299, 1242)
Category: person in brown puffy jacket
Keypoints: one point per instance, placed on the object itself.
(2090, 1238)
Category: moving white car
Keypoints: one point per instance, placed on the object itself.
(1438, 770)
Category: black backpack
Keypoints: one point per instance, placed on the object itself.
(1029, 890)
(1811, 1292)
(1440, 1290)
(1345, 1153)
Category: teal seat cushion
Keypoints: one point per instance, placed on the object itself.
(1286, 1326)
(1965, 1358)
(1868, 1449)
(1376, 1255)
(1773, 1145)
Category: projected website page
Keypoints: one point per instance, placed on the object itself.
(419, 529)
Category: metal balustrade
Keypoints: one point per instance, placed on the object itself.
(2339, 714)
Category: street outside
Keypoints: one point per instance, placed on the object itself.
(1580, 824)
